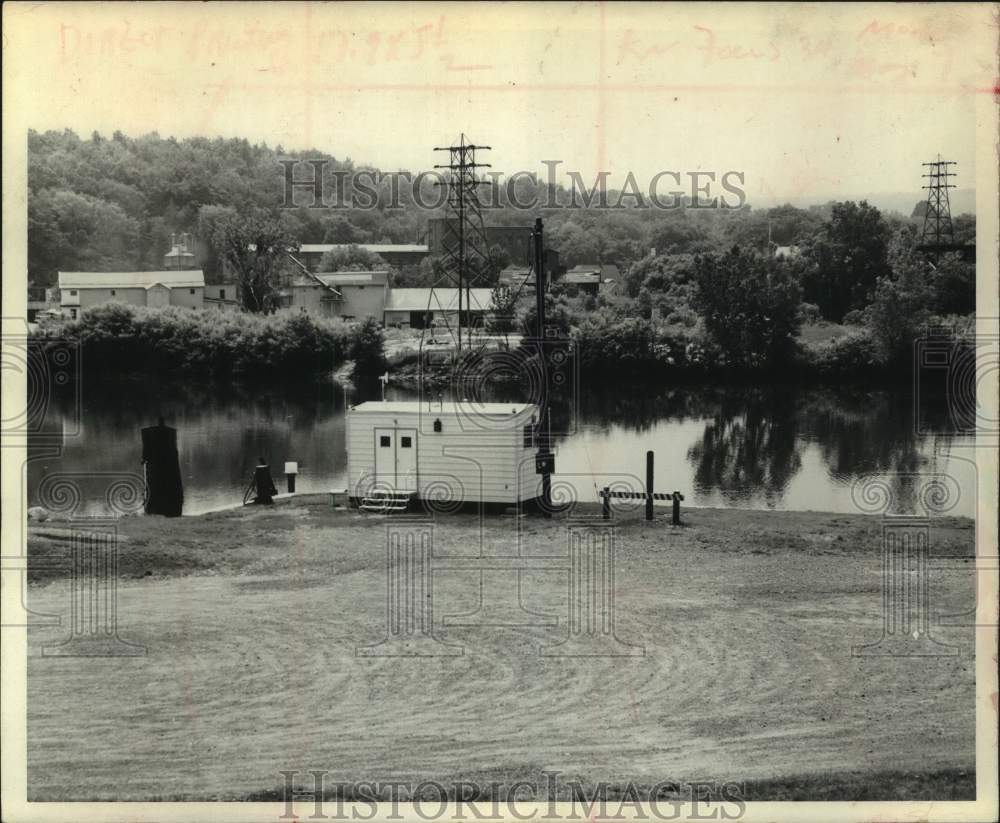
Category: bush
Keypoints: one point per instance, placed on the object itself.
(856, 354)
(809, 313)
(127, 339)
(615, 346)
(367, 348)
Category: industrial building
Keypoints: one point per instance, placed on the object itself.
(80, 290)
(419, 308)
(349, 295)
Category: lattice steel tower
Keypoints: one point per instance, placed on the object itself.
(465, 251)
(938, 231)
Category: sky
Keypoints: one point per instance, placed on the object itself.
(808, 102)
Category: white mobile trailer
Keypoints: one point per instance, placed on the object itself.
(450, 452)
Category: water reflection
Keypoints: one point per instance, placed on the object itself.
(776, 447)
(749, 446)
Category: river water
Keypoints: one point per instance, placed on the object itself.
(782, 448)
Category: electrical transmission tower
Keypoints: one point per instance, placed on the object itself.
(465, 251)
(938, 233)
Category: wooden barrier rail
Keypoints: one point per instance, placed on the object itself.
(606, 496)
(649, 496)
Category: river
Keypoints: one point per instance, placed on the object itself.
(783, 448)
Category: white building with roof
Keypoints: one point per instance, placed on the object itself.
(418, 308)
(447, 452)
(350, 295)
(81, 290)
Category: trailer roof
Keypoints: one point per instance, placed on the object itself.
(467, 407)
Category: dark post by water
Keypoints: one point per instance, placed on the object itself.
(164, 491)
(263, 483)
(649, 485)
(545, 429)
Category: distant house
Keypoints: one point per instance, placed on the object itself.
(518, 278)
(350, 295)
(584, 282)
(586, 278)
(591, 278)
(222, 297)
(399, 256)
(418, 308)
(79, 291)
(362, 293)
(786, 252)
(37, 301)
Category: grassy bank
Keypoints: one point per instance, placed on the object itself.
(253, 619)
(241, 541)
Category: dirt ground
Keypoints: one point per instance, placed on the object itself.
(738, 626)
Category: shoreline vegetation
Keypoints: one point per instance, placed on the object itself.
(127, 340)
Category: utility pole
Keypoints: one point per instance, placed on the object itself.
(465, 248)
(938, 233)
(544, 464)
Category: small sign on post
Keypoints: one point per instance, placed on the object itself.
(291, 469)
(545, 464)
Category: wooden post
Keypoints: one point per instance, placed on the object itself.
(678, 497)
(291, 469)
(545, 432)
(649, 485)
(606, 503)
(164, 490)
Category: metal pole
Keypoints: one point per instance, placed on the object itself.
(539, 282)
(649, 485)
(461, 235)
(544, 423)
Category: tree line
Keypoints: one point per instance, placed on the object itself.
(712, 277)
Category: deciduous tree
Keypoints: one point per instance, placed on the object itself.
(256, 246)
(749, 304)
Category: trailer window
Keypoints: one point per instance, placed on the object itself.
(406, 442)
(384, 441)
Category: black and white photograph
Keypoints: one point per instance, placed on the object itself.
(500, 411)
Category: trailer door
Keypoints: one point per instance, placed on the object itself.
(396, 458)
(406, 460)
